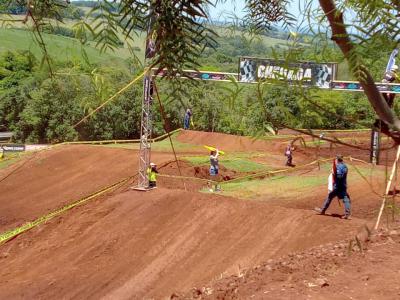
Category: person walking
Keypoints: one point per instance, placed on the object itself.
(152, 174)
(186, 120)
(339, 184)
(289, 154)
(214, 168)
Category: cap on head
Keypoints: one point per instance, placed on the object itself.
(152, 165)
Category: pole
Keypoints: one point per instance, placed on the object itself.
(375, 144)
(394, 168)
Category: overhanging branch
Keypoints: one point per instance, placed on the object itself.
(341, 38)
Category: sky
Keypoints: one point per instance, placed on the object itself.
(238, 8)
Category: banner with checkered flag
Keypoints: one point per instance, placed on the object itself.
(247, 70)
(323, 76)
(307, 73)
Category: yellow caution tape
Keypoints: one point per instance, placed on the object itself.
(112, 97)
(161, 137)
(186, 177)
(27, 226)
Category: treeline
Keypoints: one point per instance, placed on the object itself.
(40, 109)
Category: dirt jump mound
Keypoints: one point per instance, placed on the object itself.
(151, 244)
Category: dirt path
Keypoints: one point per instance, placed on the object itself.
(142, 245)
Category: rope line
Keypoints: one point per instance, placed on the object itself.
(111, 98)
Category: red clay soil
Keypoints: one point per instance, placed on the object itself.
(196, 177)
(135, 245)
(56, 177)
(222, 141)
(333, 271)
(364, 201)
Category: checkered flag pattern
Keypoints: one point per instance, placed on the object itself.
(323, 76)
(247, 71)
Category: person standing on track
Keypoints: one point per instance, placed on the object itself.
(289, 154)
(152, 174)
(214, 167)
(339, 182)
(186, 120)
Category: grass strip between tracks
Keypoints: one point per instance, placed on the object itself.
(263, 173)
(5, 236)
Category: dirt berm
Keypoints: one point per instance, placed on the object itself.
(135, 245)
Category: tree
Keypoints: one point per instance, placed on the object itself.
(180, 33)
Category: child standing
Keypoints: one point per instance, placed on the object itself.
(152, 174)
(289, 154)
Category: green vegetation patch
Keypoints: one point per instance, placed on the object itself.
(279, 186)
(60, 47)
(163, 145)
(10, 159)
(239, 162)
(290, 186)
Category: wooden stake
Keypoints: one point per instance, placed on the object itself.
(388, 187)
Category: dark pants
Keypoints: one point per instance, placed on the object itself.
(341, 195)
(186, 123)
(289, 160)
(152, 184)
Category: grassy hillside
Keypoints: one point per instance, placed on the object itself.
(60, 48)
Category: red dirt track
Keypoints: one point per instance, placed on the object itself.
(134, 245)
(56, 177)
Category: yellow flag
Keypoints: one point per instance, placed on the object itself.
(214, 149)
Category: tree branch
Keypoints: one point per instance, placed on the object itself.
(341, 37)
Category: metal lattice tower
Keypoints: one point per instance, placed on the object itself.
(146, 117)
(145, 132)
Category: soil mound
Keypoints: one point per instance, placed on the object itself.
(135, 245)
(223, 141)
(344, 270)
(58, 176)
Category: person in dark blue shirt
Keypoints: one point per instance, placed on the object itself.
(339, 189)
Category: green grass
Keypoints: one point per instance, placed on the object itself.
(279, 186)
(11, 159)
(290, 186)
(163, 145)
(239, 162)
(60, 48)
(134, 146)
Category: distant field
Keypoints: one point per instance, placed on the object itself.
(69, 49)
(60, 48)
